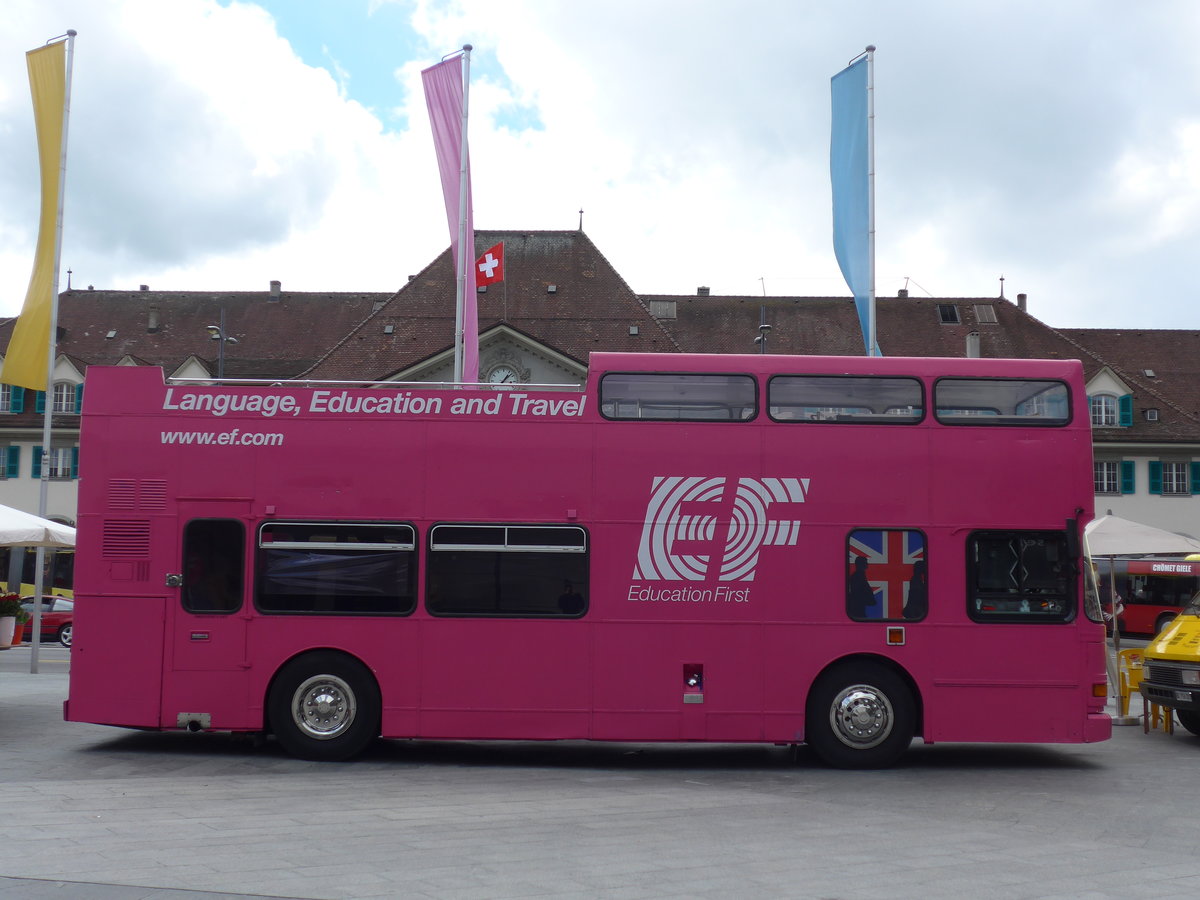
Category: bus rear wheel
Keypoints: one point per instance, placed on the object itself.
(324, 706)
(860, 715)
(1163, 621)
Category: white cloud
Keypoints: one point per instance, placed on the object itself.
(1010, 141)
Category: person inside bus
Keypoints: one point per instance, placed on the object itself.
(917, 603)
(860, 598)
(570, 601)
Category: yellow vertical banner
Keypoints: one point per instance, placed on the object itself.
(27, 358)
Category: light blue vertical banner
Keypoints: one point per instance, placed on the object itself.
(849, 173)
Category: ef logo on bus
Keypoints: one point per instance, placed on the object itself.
(681, 541)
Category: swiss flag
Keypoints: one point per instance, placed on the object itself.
(489, 268)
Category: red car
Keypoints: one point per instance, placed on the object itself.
(58, 614)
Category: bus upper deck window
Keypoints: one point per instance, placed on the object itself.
(856, 399)
(671, 396)
(1001, 401)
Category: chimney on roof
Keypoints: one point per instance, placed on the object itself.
(275, 286)
(1021, 302)
(152, 321)
(702, 291)
(902, 293)
(144, 287)
(973, 345)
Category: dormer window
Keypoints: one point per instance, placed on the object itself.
(1111, 411)
(1104, 410)
(66, 397)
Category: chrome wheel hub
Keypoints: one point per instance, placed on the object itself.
(861, 716)
(323, 707)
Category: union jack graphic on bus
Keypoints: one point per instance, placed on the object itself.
(893, 563)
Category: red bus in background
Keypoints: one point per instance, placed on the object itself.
(1151, 589)
(842, 552)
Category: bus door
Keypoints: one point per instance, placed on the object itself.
(208, 622)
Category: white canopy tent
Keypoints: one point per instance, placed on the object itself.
(22, 529)
(1113, 536)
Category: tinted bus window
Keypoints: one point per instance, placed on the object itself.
(995, 401)
(336, 568)
(1019, 576)
(842, 398)
(507, 570)
(670, 396)
(214, 553)
(887, 574)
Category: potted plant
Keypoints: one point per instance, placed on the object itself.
(12, 614)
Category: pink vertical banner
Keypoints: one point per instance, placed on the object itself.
(444, 95)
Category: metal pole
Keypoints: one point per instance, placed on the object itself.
(873, 342)
(43, 492)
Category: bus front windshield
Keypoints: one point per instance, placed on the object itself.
(1193, 606)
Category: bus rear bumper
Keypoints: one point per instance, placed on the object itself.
(1097, 728)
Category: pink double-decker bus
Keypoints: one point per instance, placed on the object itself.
(842, 552)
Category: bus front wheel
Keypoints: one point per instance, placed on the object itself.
(860, 715)
(1163, 621)
(324, 706)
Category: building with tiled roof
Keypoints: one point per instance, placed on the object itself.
(560, 300)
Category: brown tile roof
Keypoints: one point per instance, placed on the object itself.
(590, 308)
(276, 338)
(343, 335)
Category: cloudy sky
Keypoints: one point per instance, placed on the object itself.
(216, 145)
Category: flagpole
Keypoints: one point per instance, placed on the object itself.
(466, 255)
(872, 343)
(48, 406)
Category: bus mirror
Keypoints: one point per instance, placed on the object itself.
(1073, 538)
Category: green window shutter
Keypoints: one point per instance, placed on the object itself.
(12, 467)
(37, 462)
(18, 399)
(74, 462)
(1155, 476)
(1125, 410)
(79, 397)
(1127, 484)
(39, 405)
(1194, 472)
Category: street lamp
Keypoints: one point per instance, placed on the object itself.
(217, 333)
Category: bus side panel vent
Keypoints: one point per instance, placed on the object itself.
(153, 495)
(122, 493)
(129, 494)
(126, 539)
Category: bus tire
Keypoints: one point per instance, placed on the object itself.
(64, 635)
(1188, 718)
(860, 715)
(324, 706)
(1162, 622)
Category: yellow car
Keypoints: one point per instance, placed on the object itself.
(1171, 667)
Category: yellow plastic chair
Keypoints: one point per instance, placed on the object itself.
(1153, 715)
(1130, 678)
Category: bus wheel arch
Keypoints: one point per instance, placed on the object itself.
(324, 705)
(862, 712)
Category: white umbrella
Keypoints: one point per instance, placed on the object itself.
(22, 529)
(1113, 536)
